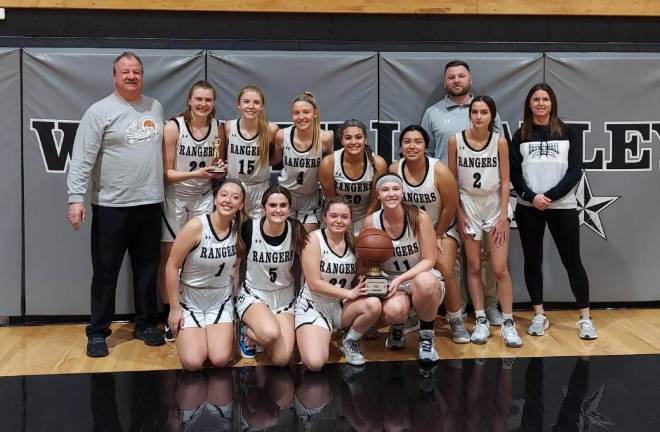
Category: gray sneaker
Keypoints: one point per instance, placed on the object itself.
(494, 316)
(351, 350)
(411, 325)
(539, 325)
(395, 341)
(426, 351)
(587, 329)
(510, 334)
(459, 333)
(481, 331)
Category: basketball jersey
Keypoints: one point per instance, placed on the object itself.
(478, 170)
(243, 157)
(268, 266)
(356, 191)
(424, 195)
(210, 263)
(338, 270)
(192, 154)
(405, 249)
(300, 171)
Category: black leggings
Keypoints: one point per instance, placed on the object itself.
(565, 230)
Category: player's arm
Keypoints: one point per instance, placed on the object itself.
(327, 142)
(276, 151)
(170, 138)
(445, 184)
(326, 176)
(311, 259)
(186, 240)
(500, 231)
(379, 169)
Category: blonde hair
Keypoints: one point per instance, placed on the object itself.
(240, 217)
(263, 131)
(316, 137)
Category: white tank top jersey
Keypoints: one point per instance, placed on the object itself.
(405, 248)
(424, 195)
(210, 263)
(338, 270)
(356, 191)
(192, 154)
(269, 267)
(300, 172)
(478, 170)
(243, 157)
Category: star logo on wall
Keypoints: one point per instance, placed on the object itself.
(590, 206)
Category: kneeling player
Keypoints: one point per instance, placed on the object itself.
(327, 301)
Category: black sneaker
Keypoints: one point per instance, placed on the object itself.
(169, 336)
(96, 346)
(152, 336)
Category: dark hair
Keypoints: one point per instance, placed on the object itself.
(299, 233)
(240, 217)
(348, 235)
(557, 127)
(411, 213)
(367, 149)
(414, 128)
(491, 106)
(455, 63)
(187, 113)
(129, 55)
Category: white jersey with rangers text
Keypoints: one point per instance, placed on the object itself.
(300, 172)
(210, 263)
(243, 157)
(424, 195)
(192, 154)
(356, 191)
(478, 170)
(268, 266)
(338, 270)
(406, 249)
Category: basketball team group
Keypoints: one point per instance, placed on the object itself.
(259, 268)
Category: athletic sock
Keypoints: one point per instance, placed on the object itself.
(426, 325)
(454, 315)
(480, 313)
(353, 335)
(508, 316)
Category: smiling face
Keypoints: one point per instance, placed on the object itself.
(338, 218)
(541, 106)
(201, 102)
(229, 199)
(353, 139)
(390, 194)
(127, 78)
(457, 81)
(413, 145)
(480, 115)
(276, 208)
(303, 114)
(250, 104)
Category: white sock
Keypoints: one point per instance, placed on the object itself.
(480, 313)
(454, 315)
(353, 335)
(508, 316)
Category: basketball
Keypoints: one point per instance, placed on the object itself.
(373, 246)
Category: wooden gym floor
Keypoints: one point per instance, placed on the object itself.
(60, 349)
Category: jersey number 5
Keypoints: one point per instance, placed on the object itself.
(272, 274)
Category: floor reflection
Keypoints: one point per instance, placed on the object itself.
(553, 394)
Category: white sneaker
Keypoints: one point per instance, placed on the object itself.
(539, 325)
(351, 351)
(510, 334)
(426, 350)
(494, 316)
(411, 325)
(587, 329)
(481, 331)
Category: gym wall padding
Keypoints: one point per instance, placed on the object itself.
(58, 86)
(10, 182)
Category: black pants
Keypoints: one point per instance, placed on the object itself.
(565, 230)
(116, 230)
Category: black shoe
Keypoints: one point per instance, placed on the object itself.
(152, 336)
(169, 336)
(96, 346)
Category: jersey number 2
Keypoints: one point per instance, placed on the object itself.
(477, 181)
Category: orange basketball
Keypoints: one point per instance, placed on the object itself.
(373, 246)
